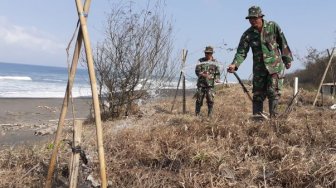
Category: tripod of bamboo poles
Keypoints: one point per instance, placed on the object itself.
(184, 58)
(82, 35)
(324, 75)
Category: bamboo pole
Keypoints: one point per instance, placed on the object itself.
(65, 102)
(95, 99)
(184, 58)
(74, 165)
(324, 75)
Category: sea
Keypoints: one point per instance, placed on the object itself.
(36, 81)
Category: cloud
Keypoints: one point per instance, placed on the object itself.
(31, 39)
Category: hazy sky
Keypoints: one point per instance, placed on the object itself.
(38, 31)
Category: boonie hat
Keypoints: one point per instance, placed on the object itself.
(254, 12)
(209, 49)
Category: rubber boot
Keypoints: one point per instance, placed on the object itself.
(197, 109)
(273, 105)
(257, 111)
(210, 108)
(257, 107)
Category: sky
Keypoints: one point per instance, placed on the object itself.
(37, 32)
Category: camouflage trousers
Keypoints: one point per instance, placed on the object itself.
(208, 93)
(266, 85)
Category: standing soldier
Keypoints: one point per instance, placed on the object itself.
(207, 71)
(270, 54)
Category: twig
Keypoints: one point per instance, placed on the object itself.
(290, 106)
(7, 124)
(70, 119)
(29, 171)
(264, 176)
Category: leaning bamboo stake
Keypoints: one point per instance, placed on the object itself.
(63, 113)
(324, 75)
(92, 76)
(74, 165)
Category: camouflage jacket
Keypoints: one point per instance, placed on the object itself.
(270, 49)
(209, 67)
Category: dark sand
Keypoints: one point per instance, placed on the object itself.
(21, 117)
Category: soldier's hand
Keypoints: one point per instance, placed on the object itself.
(204, 74)
(288, 65)
(217, 81)
(231, 68)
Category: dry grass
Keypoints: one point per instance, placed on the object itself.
(159, 148)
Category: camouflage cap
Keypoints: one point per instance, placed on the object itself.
(209, 49)
(254, 12)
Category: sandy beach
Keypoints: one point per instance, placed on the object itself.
(20, 118)
(25, 120)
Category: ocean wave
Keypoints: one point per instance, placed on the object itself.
(26, 78)
(77, 92)
(53, 80)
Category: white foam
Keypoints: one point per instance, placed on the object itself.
(15, 78)
(60, 93)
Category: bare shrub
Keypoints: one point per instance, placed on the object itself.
(134, 57)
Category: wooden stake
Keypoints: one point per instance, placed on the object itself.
(296, 87)
(332, 68)
(178, 84)
(74, 165)
(184, 95)
(184, 58)
(184, 55)
(65, 102)
(92, 76)
(324, 75)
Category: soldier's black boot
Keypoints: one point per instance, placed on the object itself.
(197, 109)
(257, 111)
(210, 108)
(273, 105)
(257, 107)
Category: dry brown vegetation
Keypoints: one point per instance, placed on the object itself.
(159, 148)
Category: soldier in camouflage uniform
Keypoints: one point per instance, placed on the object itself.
(270, 54)
(207, 71)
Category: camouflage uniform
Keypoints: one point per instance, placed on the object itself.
(205, 85)
(270, 53)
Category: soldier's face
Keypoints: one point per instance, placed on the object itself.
(208, 55)
(256, 22)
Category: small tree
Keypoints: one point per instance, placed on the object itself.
(134, 57)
